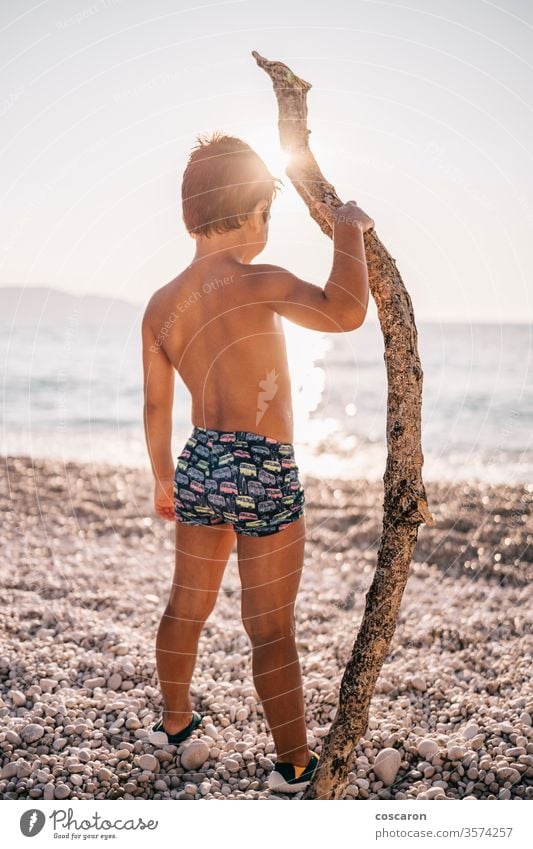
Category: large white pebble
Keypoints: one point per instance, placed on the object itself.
(470, 731)
(456, 753)
(194, 755)
(427, 747)
(114, 681)
(418, 683)
(32, 732)
(9, 770)
(93, 683)
(18, 698)
(13, 738)
(149, 762)
(387, 764)
(157, 738)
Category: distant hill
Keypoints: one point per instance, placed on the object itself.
(32, 305)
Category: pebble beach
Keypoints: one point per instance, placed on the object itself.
(85, 575)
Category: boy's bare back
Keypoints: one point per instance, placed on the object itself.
(228, 346)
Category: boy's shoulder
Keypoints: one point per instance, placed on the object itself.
(267, 275)
(162, 296)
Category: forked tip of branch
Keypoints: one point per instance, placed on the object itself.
(280, 73)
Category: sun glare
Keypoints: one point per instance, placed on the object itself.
(269, 149)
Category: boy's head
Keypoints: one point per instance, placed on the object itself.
(224, 184)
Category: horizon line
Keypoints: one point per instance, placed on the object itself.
(369, 320)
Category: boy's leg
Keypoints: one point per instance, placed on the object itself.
(201, 557)
(270, 568)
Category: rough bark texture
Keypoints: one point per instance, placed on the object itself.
(405, 504)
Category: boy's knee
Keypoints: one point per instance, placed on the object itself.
(266, 629)
(183, 606)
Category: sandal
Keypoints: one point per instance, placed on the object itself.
(174, 739)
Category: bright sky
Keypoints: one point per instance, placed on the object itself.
(420, 111)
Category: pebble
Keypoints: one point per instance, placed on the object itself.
(9, 770)
(18, 698)
(149, 762)
(158, 738)
(62, 791)
(470, 731)
(195, 754)
(456, 753)
(104, 774)
(93, 683)
(419, 683)
(32, 732)
(23, 769)
(13, 738)
(386, 765)
(114, 681)
(427, 747)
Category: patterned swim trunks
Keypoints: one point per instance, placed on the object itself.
(238, 477)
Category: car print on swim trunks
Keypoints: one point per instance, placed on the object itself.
(244, 479)
(195, 474)
(255, 489)
(231, 488)
(266, 506)
(267, 478)
(222, 474)
(272, 465)
(225, 459)
(245, 502)
(274, 493)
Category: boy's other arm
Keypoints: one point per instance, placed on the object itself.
(158, 400)
(340, 305)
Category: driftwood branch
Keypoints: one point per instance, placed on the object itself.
(405, 503)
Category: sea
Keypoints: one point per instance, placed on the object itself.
(71, 389)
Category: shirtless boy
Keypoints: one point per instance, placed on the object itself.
(236, 481)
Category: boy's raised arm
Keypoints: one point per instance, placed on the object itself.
(342, 304)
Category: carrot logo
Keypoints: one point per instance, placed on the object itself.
(268, 388)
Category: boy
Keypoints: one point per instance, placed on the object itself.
(218, 324)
